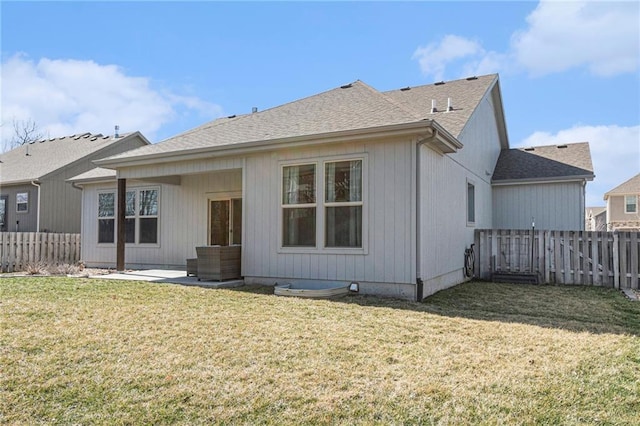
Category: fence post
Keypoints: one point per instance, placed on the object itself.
(616, 261)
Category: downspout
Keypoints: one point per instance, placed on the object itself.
(419, 282)
(37, 185)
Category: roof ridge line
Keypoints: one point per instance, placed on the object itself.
(390, 100)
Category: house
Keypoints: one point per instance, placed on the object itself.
(542, 185)
(622, 206)
(34, 192)
(352, 184)
(596, 219)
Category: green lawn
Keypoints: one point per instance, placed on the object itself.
(80, 351)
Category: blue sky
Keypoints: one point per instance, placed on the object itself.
(569, 71)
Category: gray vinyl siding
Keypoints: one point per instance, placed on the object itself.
(389, 246)
(444, 230)
(553, 206)
(183, 220)
(28, 220)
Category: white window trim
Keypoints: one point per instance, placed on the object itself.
(137, 216)
(475, 203)
(636, 204)
(320, 205)
(27, 203)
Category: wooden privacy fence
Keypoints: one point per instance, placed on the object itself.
(18, 249)
(560, 257)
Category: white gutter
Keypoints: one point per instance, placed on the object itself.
(37, 185)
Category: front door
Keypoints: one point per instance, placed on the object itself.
(225, 222)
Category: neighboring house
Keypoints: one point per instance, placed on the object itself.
(623, 213)
(596, 219)
(544, 185)
(353, 184)
(34, 192)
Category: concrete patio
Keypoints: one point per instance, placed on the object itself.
(166, 276)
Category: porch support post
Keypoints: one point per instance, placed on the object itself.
(122, 197)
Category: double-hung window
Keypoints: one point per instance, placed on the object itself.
(106, 217)
(148, 216)
(141, 216)
(299, 205)
(322, 204)
(22, 202)
(631, 204)
(343, 204)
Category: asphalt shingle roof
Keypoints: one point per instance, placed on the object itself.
(544, 162)
(350, 107)
(629, 187)
(34, 160)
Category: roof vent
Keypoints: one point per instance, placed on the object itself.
(433, 106)
(94, 138)
(404, 89)
(562, 146)
(232, 116)
(472, 78)
(346, 86)
(449, 106)
(529, 149)
(439, 83)
(254, 110)
(116, 134)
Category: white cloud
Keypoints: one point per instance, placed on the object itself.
(65, 96)
(615, 153)
(434, 57)
(604, 37)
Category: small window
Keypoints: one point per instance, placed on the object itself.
(22, 202)
(631, 204)
(299, 206)
(471, 203)
(106, 217)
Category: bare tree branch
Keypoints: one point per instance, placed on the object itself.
(25, 131)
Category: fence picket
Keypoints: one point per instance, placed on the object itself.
(563, 257)
(18, 249)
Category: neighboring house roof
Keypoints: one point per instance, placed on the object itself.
(629, 187)
(595, 211)
(544, 163)
(34, 161)
(351, 107)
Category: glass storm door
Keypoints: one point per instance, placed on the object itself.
(225, 222)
